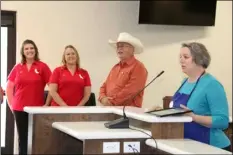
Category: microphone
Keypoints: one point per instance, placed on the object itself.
(124, 122)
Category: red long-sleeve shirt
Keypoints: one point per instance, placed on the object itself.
(123, 82)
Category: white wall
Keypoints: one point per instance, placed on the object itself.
(89, 25)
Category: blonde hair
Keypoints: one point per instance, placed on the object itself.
(77, 56)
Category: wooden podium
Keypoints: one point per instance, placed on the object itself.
(41, 119)
(95, 138)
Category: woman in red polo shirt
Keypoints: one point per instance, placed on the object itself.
(70, 85)
(25, 87)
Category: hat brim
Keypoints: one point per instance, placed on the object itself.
(137, 49)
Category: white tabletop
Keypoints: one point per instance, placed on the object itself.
(185, 146)
(97, 130)
(139, 114)
(131, 112)
(69, 109)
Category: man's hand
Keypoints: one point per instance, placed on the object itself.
(105, 101)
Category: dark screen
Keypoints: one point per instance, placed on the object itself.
(185, 12)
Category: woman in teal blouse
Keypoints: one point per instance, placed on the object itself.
(205, 96)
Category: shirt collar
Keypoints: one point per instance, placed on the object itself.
(65, 67)
(128, 61)
(34, 63)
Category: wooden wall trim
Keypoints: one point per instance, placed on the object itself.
(8, 19)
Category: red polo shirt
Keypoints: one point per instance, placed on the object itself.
(29, 84)
(70, 87)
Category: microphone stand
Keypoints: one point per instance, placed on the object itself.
(123, 123)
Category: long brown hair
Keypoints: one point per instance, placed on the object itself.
(23, 58)
(77, 56)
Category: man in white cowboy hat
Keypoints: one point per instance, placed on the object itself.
(127, 77)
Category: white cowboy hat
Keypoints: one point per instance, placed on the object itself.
(127, 38)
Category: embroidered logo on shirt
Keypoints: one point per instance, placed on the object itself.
(80, 76)
(36, 71)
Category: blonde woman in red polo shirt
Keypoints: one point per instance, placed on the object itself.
(25, 87)
(70, 85)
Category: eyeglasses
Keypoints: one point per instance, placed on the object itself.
(123, 45)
